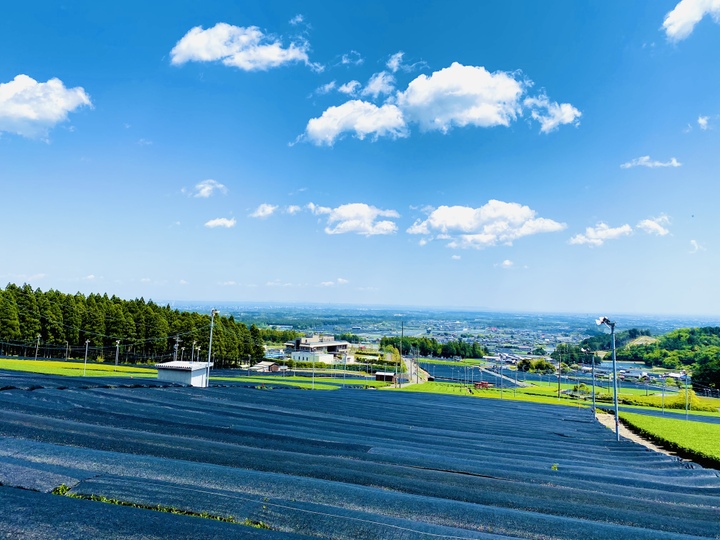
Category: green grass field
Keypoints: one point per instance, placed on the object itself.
(321, 383)
(75, 369)
(695, 438)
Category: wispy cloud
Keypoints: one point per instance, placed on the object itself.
(350, 88)
(703, 122)
(338, 282)
(297, 19)
(496, 222)
(220, 222)
(645, 161)
(696, 247)
(353, 58)
(657, 226)
(598, 235)
(264, 210)
(207, 188)
(30, 108)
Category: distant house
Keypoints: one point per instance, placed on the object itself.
(265, 367)
(315, 357)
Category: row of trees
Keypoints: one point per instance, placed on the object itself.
(426, 346)
(147, 332)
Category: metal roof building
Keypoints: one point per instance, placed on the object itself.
(184, 372)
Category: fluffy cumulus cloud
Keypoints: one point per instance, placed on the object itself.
(358, 218)
(30, 108)
(703, 122)
(264, 210)
(645, 161)
(496, 222)
(456, 96)
(361, 118)
(247, 48)
(220, 222)
(461, 96)
(350, 88)
(680, 22)
(657, 225)
(596, 236)
(207, 188)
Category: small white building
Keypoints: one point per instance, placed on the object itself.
(184, 372)
(312, 356)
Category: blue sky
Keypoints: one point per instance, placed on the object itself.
(555, 156)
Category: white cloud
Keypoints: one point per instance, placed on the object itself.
(228, 283)
(493, 223)
(220, 222)
(297, 19)
(680, 22)
(349, 88)
(292, 209)
(361, 117)
(379, 84)
(456, 257)
(90, 277)
(183, 282)
(30, 108)
(507, 264)
(695, 246)
(460, 96)
(645, 161)
(456, 96)
(703, 122)
(596, 236)
(353, 58)
(336, 283)
(358, 218)
(551, 115)
(264, 210)
(145, 280)
(144, 142)
(247, 48)
(395, 63)
(324, 89)
(208, 187)
(655, 225)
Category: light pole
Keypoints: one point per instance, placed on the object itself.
(87, 342)
(182, 353)
(67, 350)
(37, 346)
(611, 325)
(593, 377)
(212, 322)
(192, 352)
(117, 352)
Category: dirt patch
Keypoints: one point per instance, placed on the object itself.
(608, 420)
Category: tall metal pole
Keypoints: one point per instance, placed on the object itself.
(402, 336)
(37, 346)
(687, 397)
(117, 353)
(212, 322)
(87, 342)
(593, 382)
(615, 388)
(192, 355)
(67, 350)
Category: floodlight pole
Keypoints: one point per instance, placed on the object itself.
(37, 346)
(212, 322)
(611, 324)
(117, 352)
(593, 377)
(67, 350)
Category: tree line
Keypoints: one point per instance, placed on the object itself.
(425, 346)
(68, 323)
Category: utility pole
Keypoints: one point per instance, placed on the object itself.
(37, 346)
(67, 350)
(212, 322)
(402, 336)
(87, 342)
(117, 353)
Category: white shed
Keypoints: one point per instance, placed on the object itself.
(184, 372)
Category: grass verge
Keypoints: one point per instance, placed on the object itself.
(64, 491)
(695, 440)
(75, 369)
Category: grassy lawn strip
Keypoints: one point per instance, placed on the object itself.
(696, 440)
(321, 383)
(75, 369)
(64, 490)
(491, 393)
(464, 362)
